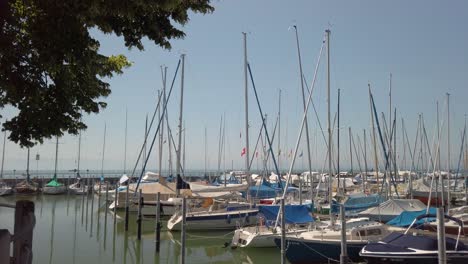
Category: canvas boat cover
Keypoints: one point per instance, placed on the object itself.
(393, 208)
(359, 202)
(407, 217)
(295, 214)
(54, 183)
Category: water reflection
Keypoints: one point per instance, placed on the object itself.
(60, 238)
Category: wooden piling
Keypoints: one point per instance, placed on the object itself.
(184, 213)
(139, 217)
(344, 249)
(126, 207)
(441, 236)
(23, 230)
(115, 202)
(107, 198)
(283, 234)
(158, 221)
(5, 241)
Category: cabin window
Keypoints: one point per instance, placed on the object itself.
(370, 232)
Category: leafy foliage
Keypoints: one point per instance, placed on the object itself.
(51, 70)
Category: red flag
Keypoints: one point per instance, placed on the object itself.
(256, 154)
(243, 152)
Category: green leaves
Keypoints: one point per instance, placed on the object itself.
(50, 67)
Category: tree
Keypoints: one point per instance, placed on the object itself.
(51, 70)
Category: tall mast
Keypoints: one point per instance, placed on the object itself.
(79, 155)
(143, 160)
(338, 146)
(103, 152)
(183, 156)
(364, 177)
(125, 143)
(448, 152)
(27, 169)
(205, 152)
(56, 158)
(279, 130)
(160, 134)
(350, 149)
(164, 78)
(329, 128)
(438, 136)
(3, 154)
(374, 141)
(303, 101)
(247, 155)
(180, 116)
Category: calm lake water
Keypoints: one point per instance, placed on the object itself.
(74, 229)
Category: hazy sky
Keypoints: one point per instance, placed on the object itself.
(422, 43)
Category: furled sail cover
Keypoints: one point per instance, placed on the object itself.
(407, 217)
(295, 214)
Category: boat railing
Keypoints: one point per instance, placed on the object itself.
(25, 221)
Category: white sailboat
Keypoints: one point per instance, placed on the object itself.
(79, 186)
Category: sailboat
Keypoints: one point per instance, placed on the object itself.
(55, 187)
(4, 188)
(26, 186)
(101, 186)
(78, 187)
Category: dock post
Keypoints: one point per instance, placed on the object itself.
(158, 221)
(115, 202)
(5, 241)
(344, 249)
(126, 207)
(68, 184)
(441, 236)
(283, 234)
(24, 225)
(182, 249)
(140, 205)
(107, 198)
(99, 194)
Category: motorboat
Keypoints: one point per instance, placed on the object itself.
(415, 248)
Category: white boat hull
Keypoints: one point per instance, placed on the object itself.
(214, 221)
(55, 189)
(6, 191)
(258, 236)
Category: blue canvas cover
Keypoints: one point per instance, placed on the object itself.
(407, 217)
(358, 202)
(267, 190)
(295, 214)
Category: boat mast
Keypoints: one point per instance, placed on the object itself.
(448, 152)
(279, 130)
(350, 149)
(79, 156)
(338, 148)
(220, 144)
(27, 168)
(180, 120)
(205, 152)
(143, 160)
(374, 143)
(309, 160)
(364, 177)
(56, 158)
(247, 155)
(329, 129)
(125, 142)
(3, 154)
(103, 149)
(164, 80)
